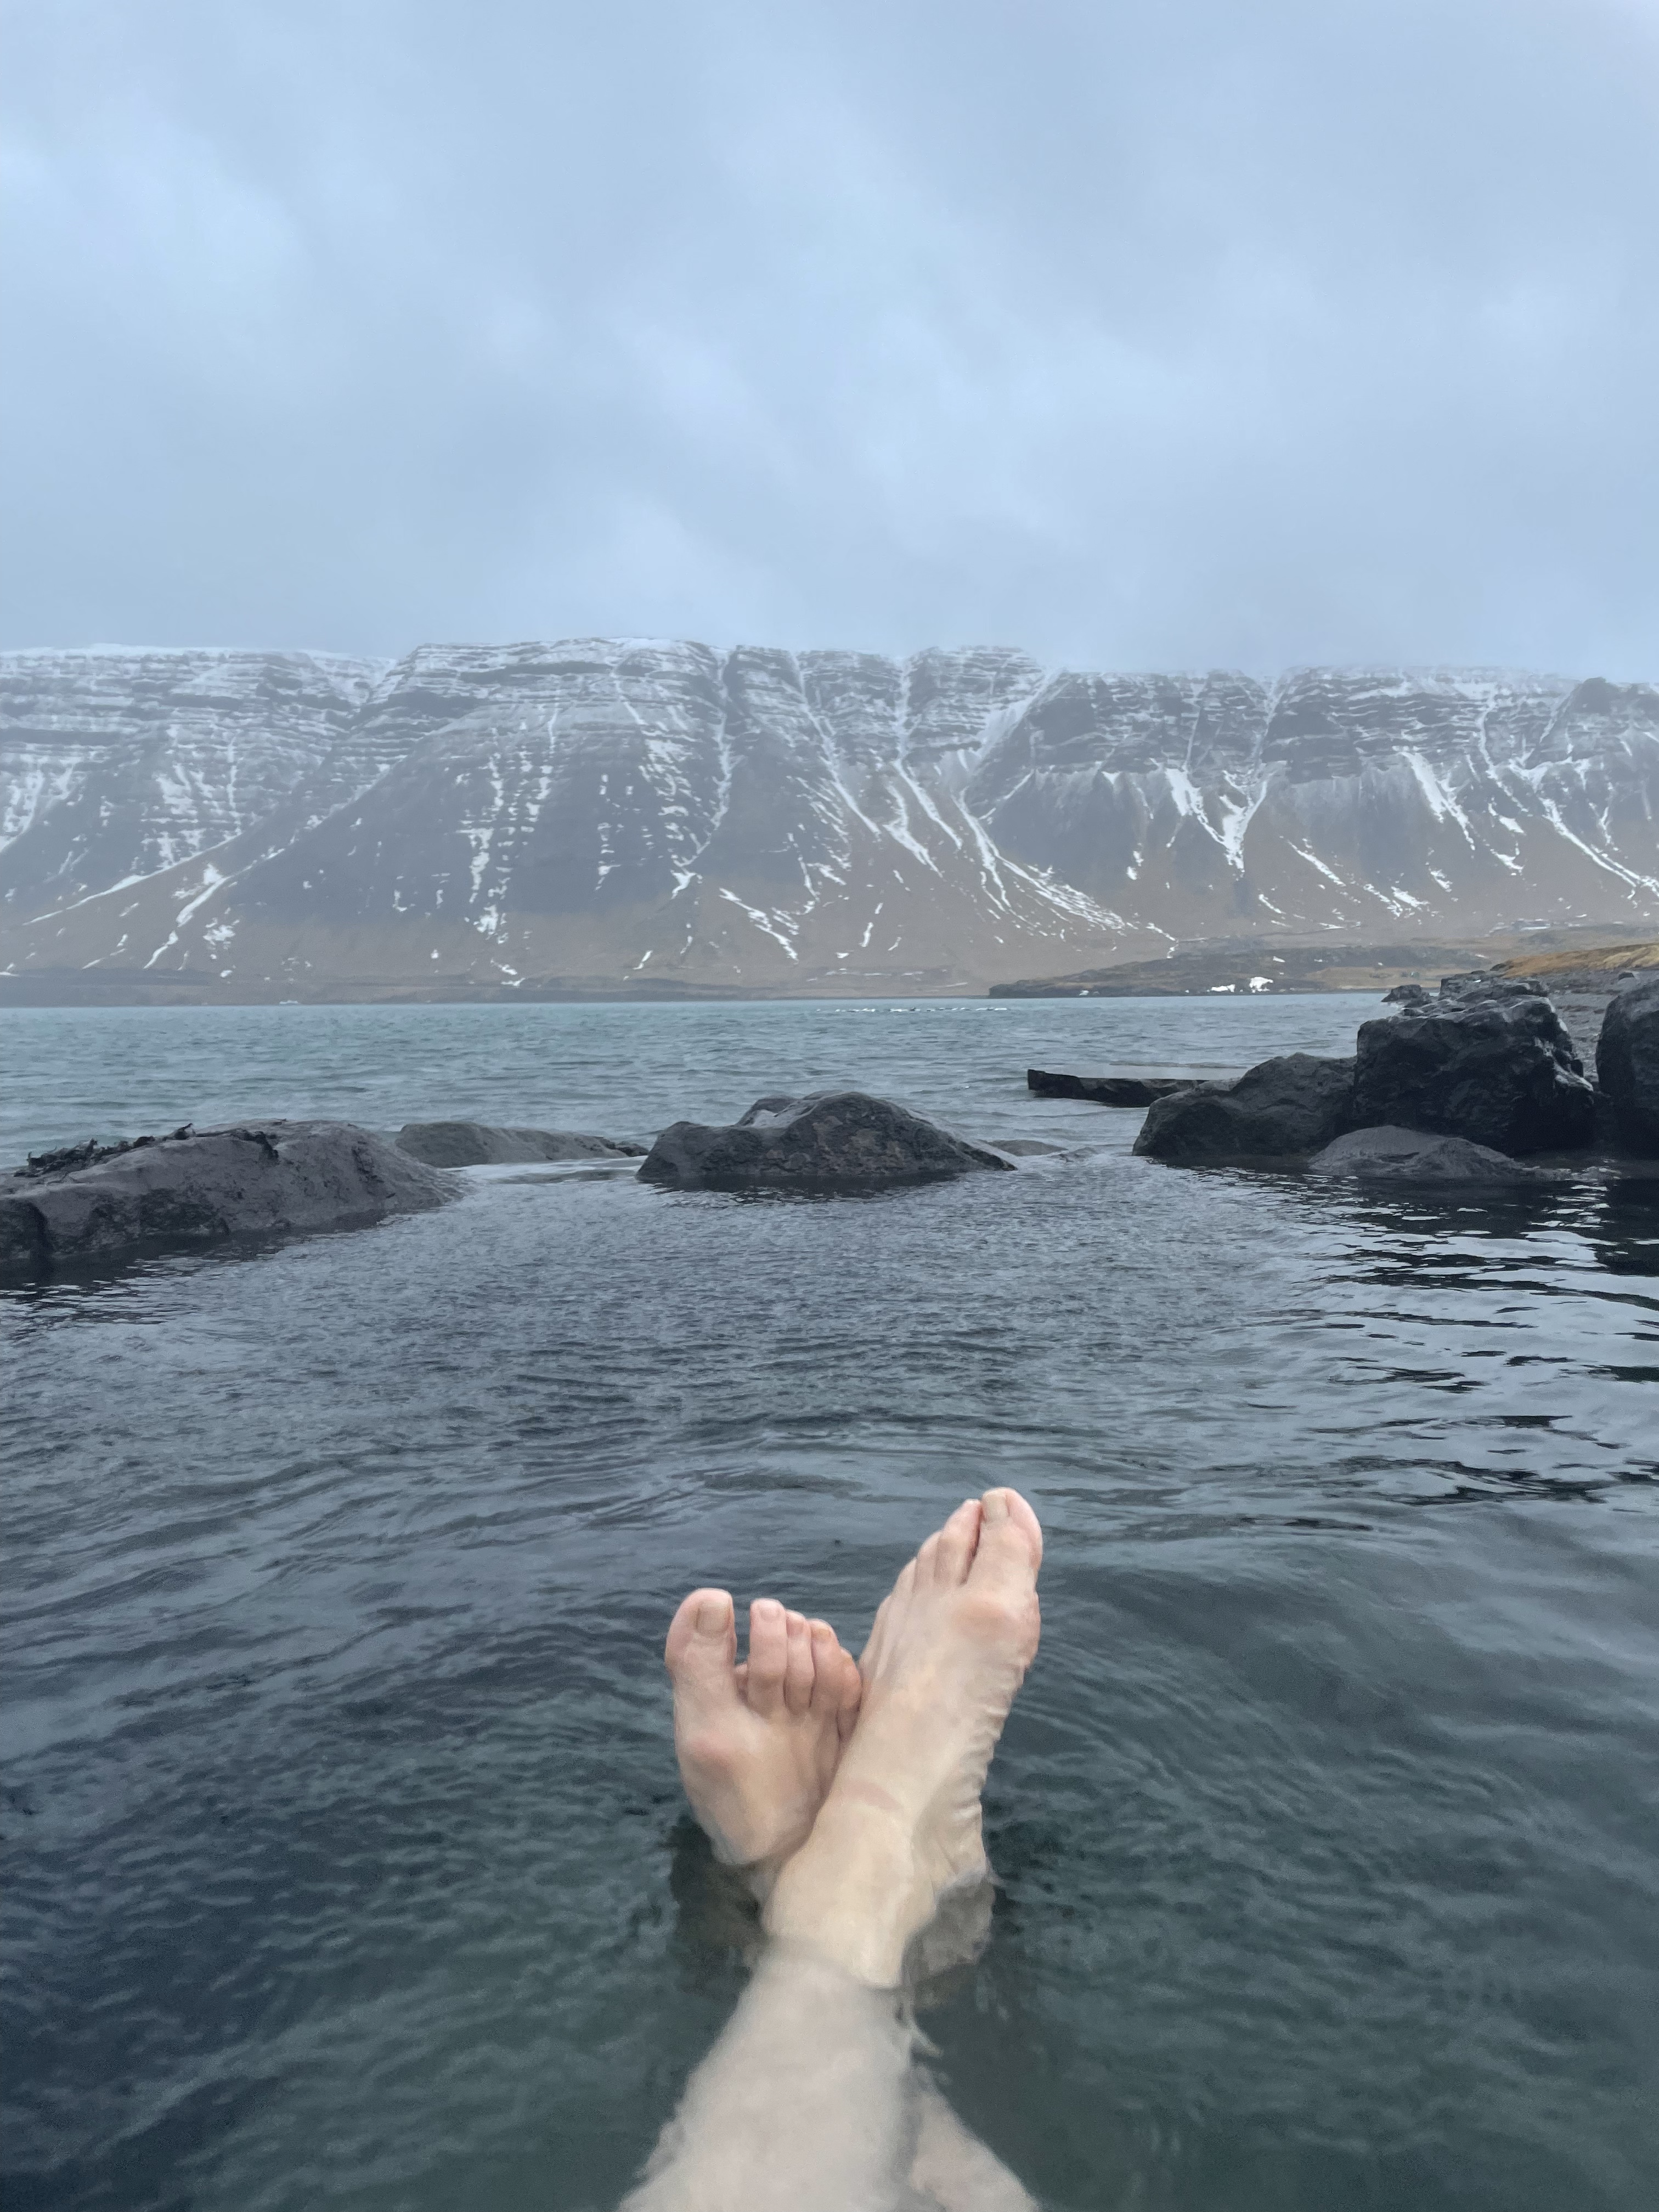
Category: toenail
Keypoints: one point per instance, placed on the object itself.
(996, 1505)
(712, 1616)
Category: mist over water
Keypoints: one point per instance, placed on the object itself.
(347, 1865)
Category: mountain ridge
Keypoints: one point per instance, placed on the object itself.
(591, 811)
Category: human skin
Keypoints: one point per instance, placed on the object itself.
(811, 2096)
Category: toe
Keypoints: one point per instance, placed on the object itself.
(702, 1643)
(826, 1656)
(769, 1655)
(957, 1541)
(926, 1562)
(798, 1664)
(852, 1690)
(1009, 1541)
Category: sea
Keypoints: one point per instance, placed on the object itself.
(346, 1863)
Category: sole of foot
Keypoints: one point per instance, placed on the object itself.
(758, 1742)
(899, 1824)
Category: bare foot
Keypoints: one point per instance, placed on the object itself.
(757, 1743)
(900, 1822)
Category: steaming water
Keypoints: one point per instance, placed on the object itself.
(346, 1862)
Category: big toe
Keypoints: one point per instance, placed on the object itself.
(955, 1544)
(1009, 1539)
(702, 1644)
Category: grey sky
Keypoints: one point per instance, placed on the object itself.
(1242, 331)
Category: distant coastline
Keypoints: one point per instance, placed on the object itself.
(1258, 967)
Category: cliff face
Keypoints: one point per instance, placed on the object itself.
(117, 765)
(1336, 800)
(605, 811)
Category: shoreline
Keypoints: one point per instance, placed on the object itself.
(1264, 967)
(94, 999)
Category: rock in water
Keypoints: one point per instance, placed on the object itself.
(96, 1206)
(1281, 1110)
(1474, 984)
(831, 1139)
(1104, 1090)
(1627, 1065)
(1498, 1070)
(477, 1144)
(1389, 1155)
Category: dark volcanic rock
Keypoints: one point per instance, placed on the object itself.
(829, 1137)
(1408, 994)
(1627, 1065)
(1104, 1090)
(1475, 984)
(1499, 1070)
(1389, 1155)
(99, 1205)
(1277, 1111)
(476, 1145)
(1579, 997)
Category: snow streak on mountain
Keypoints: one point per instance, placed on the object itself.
(605, 811)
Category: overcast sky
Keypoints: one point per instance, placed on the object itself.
(1241, 332)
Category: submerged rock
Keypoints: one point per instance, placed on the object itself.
(1393, 1155)
(1627, 1065)
(1109, 1090)
(1280, 1109)
(1104, 1090)
(95, 1205)
(829, 1139)
(477, 1144)
(1498, 1068)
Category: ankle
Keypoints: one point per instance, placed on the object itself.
(855, 1892)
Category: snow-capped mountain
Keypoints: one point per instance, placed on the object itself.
(1334, 799)
(117, 765)
(604, 811)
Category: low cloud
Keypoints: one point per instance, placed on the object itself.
(1178, 336)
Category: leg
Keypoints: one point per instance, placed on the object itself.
(953, 2169)
(806, 2049)
(802, 2102)
(900, 1822)
(808, 2098)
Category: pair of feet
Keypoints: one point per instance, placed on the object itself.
(849, 1791)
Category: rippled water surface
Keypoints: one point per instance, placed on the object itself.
(346, 1860)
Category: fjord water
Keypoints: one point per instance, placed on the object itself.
(346, 1860)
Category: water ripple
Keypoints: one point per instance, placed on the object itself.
(347, 1864)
